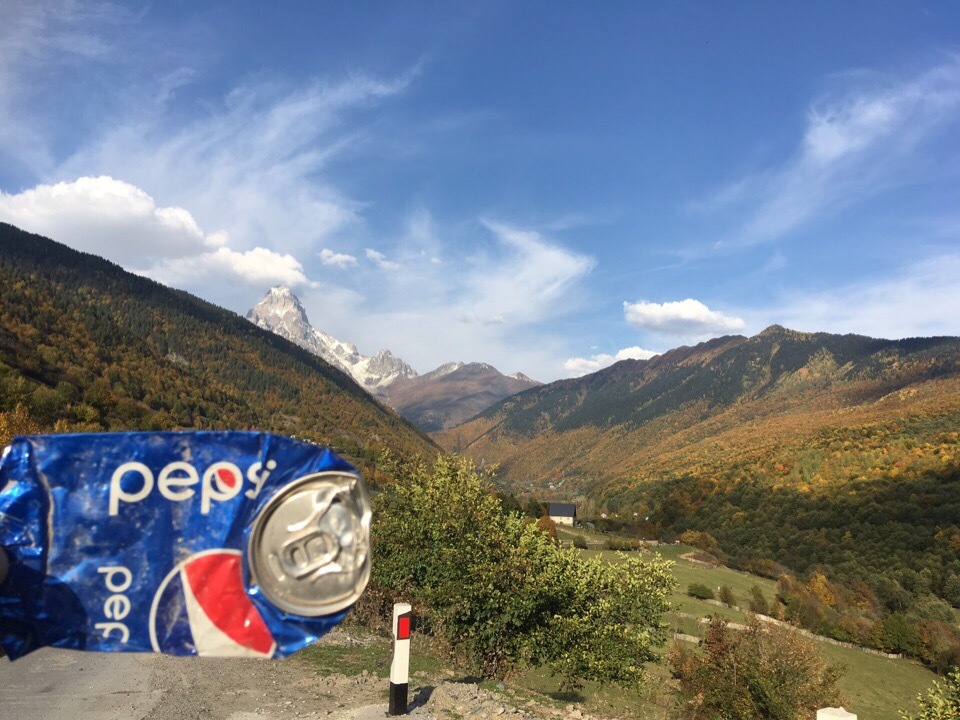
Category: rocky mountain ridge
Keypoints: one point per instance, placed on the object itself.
(281, 312)
(441, 398)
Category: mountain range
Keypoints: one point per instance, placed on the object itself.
(87, 346)
(819, 451)
(442, 398)
(726, 401)
(782, 452)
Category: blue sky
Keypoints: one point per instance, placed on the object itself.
(543, 186)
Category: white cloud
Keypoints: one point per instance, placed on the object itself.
(577, 367)
(340, 260)
(120, 222)
(380, 260)
(635, 353)
(258, 267)
(681, 318)
(110, 218)
(857, 144)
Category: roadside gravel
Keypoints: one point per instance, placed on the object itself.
(68, 685)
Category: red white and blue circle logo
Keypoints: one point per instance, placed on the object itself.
(202, 607)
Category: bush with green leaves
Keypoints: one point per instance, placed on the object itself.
(580, 542)
(758, 603)
(699, 590)
(942, 701)
(727, 597)
(503, 593)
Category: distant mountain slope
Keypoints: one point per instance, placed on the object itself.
(446, 397)
(715, 403)
(84, 342)
(439, 399)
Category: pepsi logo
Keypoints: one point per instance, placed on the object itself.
(226, 478)
(202, 608)
(132, 482)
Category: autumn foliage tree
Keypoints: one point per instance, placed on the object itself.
(764, 672)
(16, 422)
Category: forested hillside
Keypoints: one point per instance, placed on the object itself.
(86, 346)
(833, 461)
(710, 407)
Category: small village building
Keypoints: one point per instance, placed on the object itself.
(563, 513)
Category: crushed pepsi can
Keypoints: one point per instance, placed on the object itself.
(240, 544)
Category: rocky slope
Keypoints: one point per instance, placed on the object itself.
(453, 393)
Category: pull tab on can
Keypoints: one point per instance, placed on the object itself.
(309, 548)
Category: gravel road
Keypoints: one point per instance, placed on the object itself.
(65, 685)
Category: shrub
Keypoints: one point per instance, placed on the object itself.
(942, 701)
(580, 542)
(727, 597)
(761, 672)
(701, 591)
(758, 603)
(617, 544)
(501, 592)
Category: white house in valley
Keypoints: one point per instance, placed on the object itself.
(563, 513)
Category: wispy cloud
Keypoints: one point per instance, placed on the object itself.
(920, 299)
(528, 278)
(340, 260)
(477, 307)
(40, 42)
(857, 143)
(257, 165)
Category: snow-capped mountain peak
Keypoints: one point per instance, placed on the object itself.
(282, 309)
(444, 369)
(281, 312)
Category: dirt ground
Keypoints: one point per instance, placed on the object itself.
(67, 685)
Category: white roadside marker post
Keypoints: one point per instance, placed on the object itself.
(835, 714)
(400, 668)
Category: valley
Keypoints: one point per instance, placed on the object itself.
(827, 466)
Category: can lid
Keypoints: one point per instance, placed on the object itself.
(309, 548)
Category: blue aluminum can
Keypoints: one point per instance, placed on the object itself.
(239, 544)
